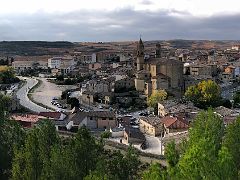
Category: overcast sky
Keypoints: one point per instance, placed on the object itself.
(119, 20)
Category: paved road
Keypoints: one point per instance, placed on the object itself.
(153, 145)
(24, 100)
(47, 90)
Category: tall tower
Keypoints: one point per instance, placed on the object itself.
(158, 50)
(140, 55)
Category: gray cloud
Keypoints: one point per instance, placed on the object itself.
(146, 2)
(124, 24)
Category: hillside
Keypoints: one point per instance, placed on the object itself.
(34, 48)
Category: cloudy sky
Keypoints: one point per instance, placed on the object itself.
(119, 20)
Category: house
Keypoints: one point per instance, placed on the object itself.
(94, 66)
(87, 97)
(92, 120)
(117, 132)
(106, 98)
(230, 69)
(53, 115)
(203, 69)
(151, 126)
(87, 57)
(55, 72)
(172, 107)
(174, 124)
(26, 120)
(134, 136)
(124, 84)
(21, 66)
(98, 86)
(57, 118)
(54, 63)
(57, 62)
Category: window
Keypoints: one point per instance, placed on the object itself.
(91, 118)
(103, 118)
(110, 118)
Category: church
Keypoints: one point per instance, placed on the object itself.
(155, 73)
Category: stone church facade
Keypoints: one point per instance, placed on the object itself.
(157, 72)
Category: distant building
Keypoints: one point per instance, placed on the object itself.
(92, 120)
(65, 64)
(156, 73)
(21, 66)
(25, 120)
(151, 126)
(173, 124)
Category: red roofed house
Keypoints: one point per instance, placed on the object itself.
(174, 124)
(26, 120)
(53, 115)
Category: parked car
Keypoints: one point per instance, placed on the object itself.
(64, 107)
(54, 98)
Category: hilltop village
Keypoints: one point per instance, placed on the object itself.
(141, 95)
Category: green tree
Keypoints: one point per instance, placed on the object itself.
(226, 165)
(154, 172)
(132, 163)
(85, 152)
(232, 141)
(60, 163)
(172, 154)
(60, 78)
(8, 77)
(32, 160)
(204, 94)
(116, 166)
(74, 102)
(11, 136)
(201, 156)
(236, 99)
(156, 97)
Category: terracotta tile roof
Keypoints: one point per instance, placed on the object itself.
(26, 118)
(168, 121)
(54, 115)
(174, 122)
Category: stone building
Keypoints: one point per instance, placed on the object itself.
(156, 73)
(151, 126)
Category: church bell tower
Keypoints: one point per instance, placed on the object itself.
(158, 51)
(140, 55)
